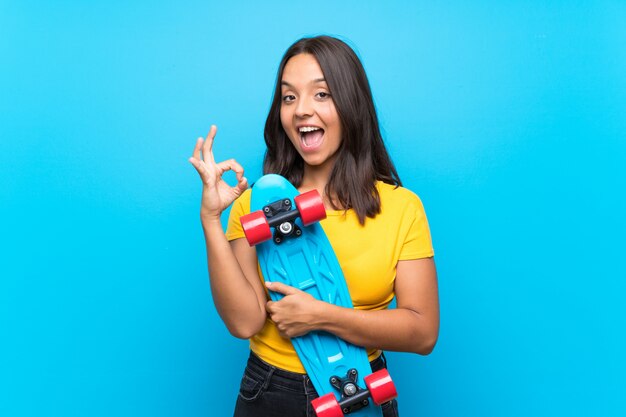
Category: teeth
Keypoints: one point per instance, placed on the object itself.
(308, 129)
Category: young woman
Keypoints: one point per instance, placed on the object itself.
(321, 133)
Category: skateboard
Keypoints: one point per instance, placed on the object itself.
(292, 248)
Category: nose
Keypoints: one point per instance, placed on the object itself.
(304, 107)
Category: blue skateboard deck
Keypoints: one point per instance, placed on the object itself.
(308, 262)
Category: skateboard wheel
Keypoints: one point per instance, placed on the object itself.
(381, 387)
(311, 207)
(255, 227)
(327, 406)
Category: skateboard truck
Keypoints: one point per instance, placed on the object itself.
(353, 397)
(282, 218)
(379, 385)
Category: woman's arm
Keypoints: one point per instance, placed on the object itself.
(237, 292)
(411, 327)
(236, 287)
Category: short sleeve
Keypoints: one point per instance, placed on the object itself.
(240, 207)
(417, 242)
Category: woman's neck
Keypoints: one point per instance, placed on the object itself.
(316, 178)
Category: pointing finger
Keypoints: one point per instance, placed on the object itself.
(231, 165)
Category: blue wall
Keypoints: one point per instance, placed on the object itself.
(509, 120)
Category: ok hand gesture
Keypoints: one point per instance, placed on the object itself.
(217, 195)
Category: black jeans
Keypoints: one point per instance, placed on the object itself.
(267, 391)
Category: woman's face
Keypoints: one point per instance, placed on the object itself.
(308, 113)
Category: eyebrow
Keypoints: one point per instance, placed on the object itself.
(315, 81)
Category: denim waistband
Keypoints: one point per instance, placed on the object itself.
(293, 380)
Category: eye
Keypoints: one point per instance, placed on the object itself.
(288, 98)
(323, 94)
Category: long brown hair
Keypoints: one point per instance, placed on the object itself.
(362, 158)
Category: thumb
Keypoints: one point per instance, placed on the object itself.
(242, 184)
(281, 288)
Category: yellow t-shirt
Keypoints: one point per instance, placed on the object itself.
(368, 256)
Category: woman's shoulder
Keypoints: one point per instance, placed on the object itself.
(400, 203)
(396, 194)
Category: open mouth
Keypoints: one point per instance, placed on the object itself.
(311, 136)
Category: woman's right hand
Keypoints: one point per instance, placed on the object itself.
(217, 195)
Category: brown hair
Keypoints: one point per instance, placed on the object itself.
(362, 157)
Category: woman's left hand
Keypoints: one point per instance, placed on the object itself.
(296, 313)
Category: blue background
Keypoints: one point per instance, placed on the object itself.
(507, 118)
